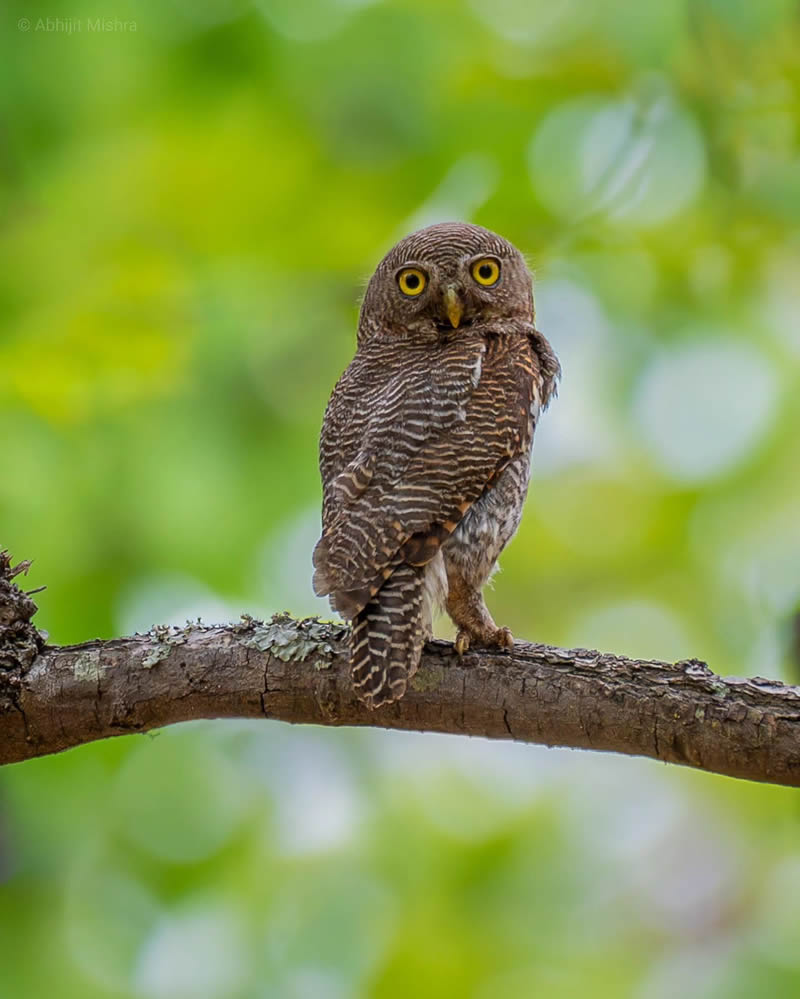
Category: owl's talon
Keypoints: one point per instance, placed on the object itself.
(500, 638)
(503, 638)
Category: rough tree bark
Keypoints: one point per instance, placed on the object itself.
(52, 698)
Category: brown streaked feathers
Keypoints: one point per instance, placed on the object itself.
(425, 451)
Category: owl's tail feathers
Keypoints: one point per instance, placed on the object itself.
(387, 637)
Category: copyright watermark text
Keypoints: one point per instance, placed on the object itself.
(76, 25)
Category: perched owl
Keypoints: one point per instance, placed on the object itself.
(425, 448)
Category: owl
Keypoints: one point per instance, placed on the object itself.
(425, 448)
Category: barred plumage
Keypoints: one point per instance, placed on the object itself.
(425, 449)
(387, 637)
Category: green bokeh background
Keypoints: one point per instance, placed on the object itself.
(191, 197)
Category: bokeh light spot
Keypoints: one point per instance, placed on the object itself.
(703, 407)
(636, 164)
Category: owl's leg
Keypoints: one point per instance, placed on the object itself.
(466, 606)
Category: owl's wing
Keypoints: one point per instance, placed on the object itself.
(439, 438)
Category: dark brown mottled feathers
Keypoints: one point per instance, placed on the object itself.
(433, 469)
(549, 368)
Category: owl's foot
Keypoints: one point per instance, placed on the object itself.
(470, 615)
(500, 638)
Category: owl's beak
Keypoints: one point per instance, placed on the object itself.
(453, 306)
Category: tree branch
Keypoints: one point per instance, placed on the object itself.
(52, 698)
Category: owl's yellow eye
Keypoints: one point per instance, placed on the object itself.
(412, 281)
(486, 271)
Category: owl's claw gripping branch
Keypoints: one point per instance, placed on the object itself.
(462, 642)
(499, 638)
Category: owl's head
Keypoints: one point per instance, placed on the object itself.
(446, 277)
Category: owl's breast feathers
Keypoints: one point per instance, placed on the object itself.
(411, 439)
